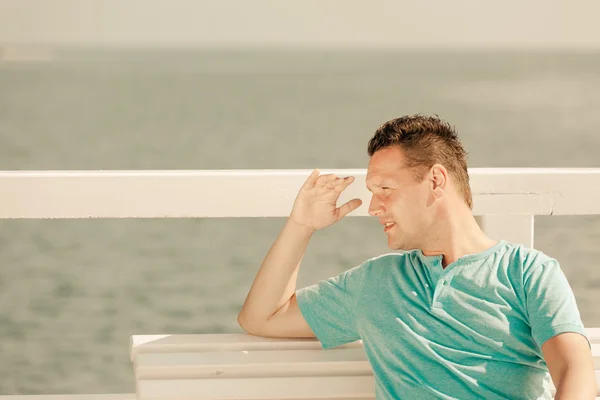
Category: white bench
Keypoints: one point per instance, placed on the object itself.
(239, 366)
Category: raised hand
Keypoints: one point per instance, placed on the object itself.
(315, 206)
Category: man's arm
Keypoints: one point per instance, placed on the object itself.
(571, 366)
(271, 308)
(556, 326)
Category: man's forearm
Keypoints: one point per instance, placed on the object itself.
(275, 282)
(576, 383)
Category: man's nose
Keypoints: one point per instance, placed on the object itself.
(375, 207)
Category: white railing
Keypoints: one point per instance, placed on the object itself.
(267, 193)
(505, 200)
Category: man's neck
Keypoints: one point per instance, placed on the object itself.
(458, 235)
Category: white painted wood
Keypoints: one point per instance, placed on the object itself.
(267, 193)
(330, 387)
(134, 397)
(248, 364)
(221, 342)
(513, 228)
(131, 396)
(593, 334)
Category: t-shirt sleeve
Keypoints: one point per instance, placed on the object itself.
(551, 304)
(329, 307)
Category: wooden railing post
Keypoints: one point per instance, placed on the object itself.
(512, 228)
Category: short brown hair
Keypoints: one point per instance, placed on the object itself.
(425, 141)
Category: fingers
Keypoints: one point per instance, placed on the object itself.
(329, 181)
(348, 207)
(312, 178)
(332, 180)
(342, 183)
(315, 178)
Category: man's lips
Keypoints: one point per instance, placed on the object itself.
(388, 225)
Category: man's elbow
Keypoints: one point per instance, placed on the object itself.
(248, 324)
(243, 321)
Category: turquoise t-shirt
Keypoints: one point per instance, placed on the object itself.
(473, 330)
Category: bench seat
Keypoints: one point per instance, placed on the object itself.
(240, 366)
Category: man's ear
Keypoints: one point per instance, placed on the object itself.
(439, 178)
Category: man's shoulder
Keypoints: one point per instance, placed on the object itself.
(523, 258)
(511, 255)
(526, 254)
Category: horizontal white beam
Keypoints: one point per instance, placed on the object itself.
(252, 364)
(108, 397)
(267, 193)
(130, 396)
(183, 343)
(265, 388)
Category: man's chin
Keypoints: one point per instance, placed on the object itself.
(399, 246)
(395, 245)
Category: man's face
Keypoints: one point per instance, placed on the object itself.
(399, 200)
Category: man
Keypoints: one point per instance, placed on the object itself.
(458, 314)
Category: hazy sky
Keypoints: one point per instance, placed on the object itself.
(415, 23)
